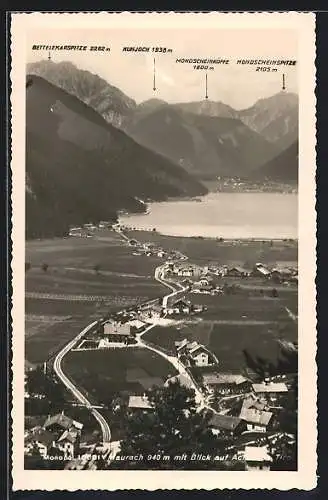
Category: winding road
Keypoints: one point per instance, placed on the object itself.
(175, 288)
(72, 387)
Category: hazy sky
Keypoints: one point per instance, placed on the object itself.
(237, 85)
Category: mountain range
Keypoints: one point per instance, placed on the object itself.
(207, 138)
(81, 168)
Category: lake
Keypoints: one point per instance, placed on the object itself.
(226, 215)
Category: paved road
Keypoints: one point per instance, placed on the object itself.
(173, 360)
(175, 289)
(74, 390)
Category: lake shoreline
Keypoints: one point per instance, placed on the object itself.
(230, 216)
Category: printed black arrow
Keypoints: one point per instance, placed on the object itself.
(206, 96)
(283, 82)
(154, 82)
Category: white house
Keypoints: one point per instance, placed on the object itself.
(200, 356)
(195, 351)
(257, 458)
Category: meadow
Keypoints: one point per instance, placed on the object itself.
(227, 341)
(109, 372)
(85, 278)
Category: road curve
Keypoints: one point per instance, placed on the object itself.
(173, 360)
(74, 390)
(175, 289)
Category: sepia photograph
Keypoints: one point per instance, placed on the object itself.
(162, 248)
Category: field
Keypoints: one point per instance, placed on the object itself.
(104, 373)
(243, 308)
(206, 250)
(233, 323)
(85, 279)
(227, 341)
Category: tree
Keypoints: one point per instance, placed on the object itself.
(96, 268)
(45, 267)
(27, 266)
(40, 384)
(173, 427)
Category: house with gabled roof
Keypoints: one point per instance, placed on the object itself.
(226, 383)
(238, 272)
(226, 424)
(261, 271)
(66, 432)
(270, 389)
(60, 421)
(256, 420)
(195, 352)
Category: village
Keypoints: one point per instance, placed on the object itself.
(243, 408)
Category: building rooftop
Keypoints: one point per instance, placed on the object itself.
(223, 378)
(224, 422)
(63, 421)
(253, 402)
(270, 387)
(182, 379)
(257, 454)
(137, 323)
(139, 402)
(254, 416)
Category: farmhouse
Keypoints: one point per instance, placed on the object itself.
(60, 421)
(196, 353)
(179, 307)
(257, 458)
(139, 403)
(226, 383)
(256, 420)
(270, 389)
(66, 433)
(116, 331)
(237, 272)
(226, 424)
(185, 271)
(251, 401)
(261, 271)
(282, 274)
(136, 325)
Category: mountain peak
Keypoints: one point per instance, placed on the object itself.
(104, 98)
